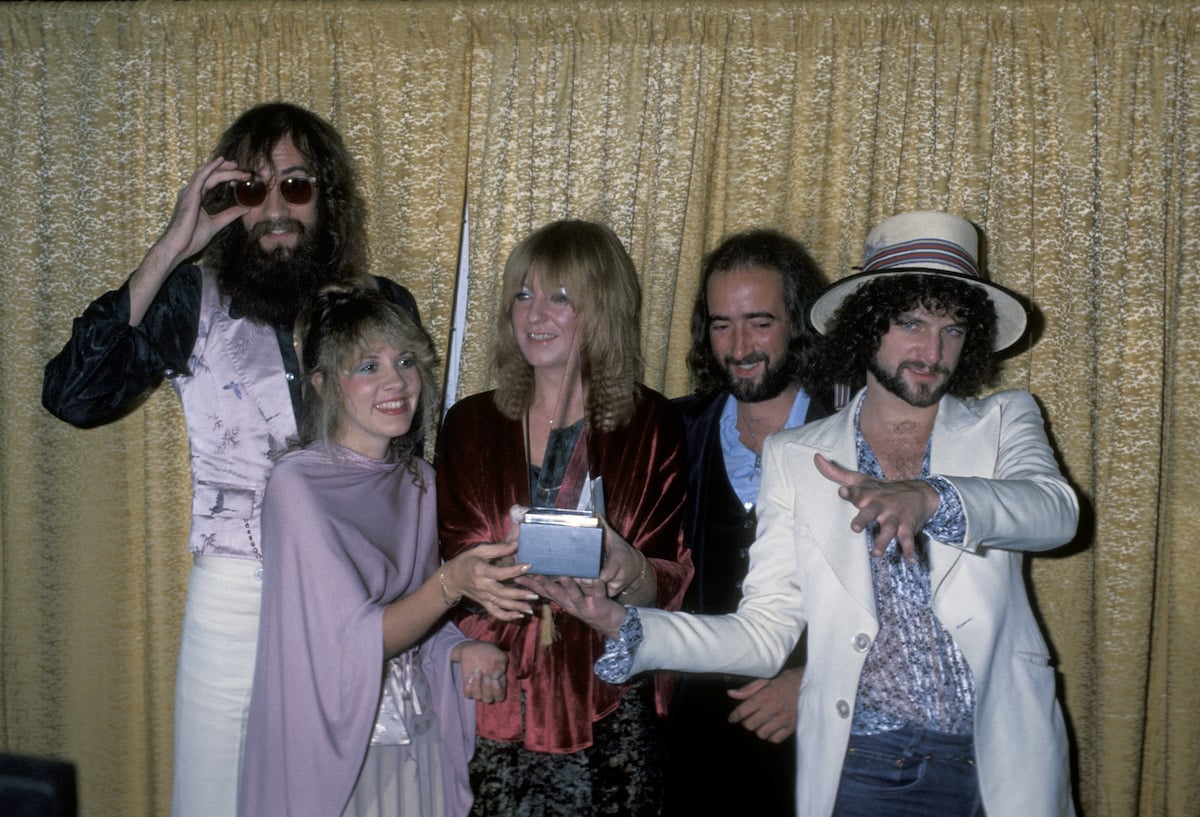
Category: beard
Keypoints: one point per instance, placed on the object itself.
(271, 287)
(921, 396)
(775, 377)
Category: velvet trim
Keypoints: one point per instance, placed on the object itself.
(481, 473)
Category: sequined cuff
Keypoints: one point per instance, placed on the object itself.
(616, 665)
(949, 523)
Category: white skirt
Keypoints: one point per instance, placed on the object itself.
(401, 781)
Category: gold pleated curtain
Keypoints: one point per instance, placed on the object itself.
(1065, 130)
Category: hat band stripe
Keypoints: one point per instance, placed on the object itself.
(923, 253)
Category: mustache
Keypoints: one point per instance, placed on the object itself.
(748, 360)
(263, 227)
(920, 367)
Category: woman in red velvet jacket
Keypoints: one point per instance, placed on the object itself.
(569, 423)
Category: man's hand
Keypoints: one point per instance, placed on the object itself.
(586, 599)
(768, 708)
(189, 231)
(191, 226)
(899, 508)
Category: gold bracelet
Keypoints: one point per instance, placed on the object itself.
(445, 594)
(641, 576)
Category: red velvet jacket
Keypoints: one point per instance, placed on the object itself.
(481, 473)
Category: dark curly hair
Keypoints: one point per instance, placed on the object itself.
(341, 210)
(869, 312)
(802, 282)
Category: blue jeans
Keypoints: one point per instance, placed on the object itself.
(911, 772)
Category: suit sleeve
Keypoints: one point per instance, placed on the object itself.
(1027, 504)
(757, 639)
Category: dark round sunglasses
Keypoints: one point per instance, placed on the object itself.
(294, 189)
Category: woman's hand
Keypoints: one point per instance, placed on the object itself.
(626, 573)
(484, 670)
(586, 599)
(484, 574)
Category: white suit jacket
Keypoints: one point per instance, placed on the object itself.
(808, 569)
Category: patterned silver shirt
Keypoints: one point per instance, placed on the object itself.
(914, 675)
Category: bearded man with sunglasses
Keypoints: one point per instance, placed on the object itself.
(258, 229)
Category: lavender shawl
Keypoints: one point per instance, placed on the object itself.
(343, 536)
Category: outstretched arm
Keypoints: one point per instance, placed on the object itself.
(474, 573)
(586, 599)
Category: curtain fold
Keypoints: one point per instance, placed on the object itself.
(1065, 130)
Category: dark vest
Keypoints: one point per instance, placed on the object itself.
(728, 532)
(716, 527)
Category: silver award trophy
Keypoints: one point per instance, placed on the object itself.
(560, 542)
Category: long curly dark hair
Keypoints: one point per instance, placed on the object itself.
(863, 318)
(802, 282)
(341, 210)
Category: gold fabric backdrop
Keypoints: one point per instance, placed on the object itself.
(1067, 131)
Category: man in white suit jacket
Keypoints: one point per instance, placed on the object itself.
(895, 532)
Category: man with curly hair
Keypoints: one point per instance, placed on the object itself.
(273, 215)
(894, 533)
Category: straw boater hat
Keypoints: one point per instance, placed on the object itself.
(928, 243)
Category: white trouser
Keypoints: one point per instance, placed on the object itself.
(212, 689)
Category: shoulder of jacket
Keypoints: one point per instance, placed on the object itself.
(979, 406)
